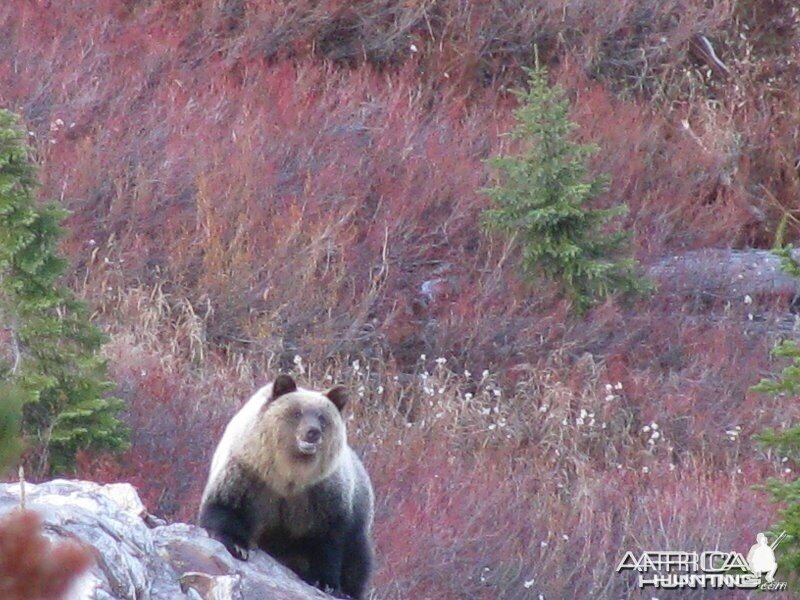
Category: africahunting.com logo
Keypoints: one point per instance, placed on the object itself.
(708, 570)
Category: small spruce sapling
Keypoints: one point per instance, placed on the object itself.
(541, 200)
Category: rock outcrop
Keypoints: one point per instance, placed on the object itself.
(724, 274)
(140, 557)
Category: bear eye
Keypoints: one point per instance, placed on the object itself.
(297, 414)
(323, 422)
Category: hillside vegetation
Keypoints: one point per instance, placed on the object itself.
(266, 186)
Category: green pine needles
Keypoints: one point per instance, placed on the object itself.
(541, 199)
(55, 357)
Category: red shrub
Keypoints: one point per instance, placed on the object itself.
(32, 568)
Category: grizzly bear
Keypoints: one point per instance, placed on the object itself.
(284, 479)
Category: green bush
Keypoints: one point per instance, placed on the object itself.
(541, 200)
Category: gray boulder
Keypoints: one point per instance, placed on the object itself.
(140, 557)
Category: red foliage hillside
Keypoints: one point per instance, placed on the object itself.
(255, 181)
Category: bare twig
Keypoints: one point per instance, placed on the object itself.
(17, 352)
(701, 46)
(21, 487)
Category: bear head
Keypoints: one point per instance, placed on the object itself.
(307, 431)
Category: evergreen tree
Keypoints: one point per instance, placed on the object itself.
(57, 362)
(786, 443)
(541, 200)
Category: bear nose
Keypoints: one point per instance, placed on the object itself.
(312, 435)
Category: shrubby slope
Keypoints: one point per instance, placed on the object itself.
(251, 182)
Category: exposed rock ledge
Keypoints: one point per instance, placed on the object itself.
(724, 274)
(138, 557)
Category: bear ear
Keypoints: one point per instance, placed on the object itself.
(284, 384)
(338, 395)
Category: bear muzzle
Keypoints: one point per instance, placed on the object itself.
(309, 441)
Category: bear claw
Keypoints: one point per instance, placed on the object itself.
(239, 552)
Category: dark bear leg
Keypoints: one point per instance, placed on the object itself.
(325, 564)
(228, 525)
(357, 566)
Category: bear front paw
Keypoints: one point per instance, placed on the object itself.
(239, 552)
